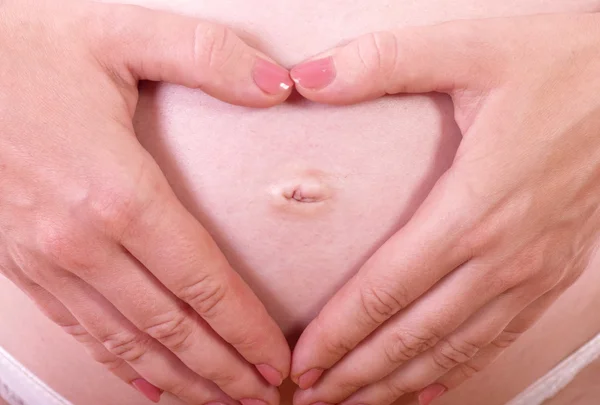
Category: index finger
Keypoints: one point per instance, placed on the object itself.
(151, 223)
(404, 268)
(442, 58)
(187, 51)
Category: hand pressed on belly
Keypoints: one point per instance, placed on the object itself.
(89, 227)
(250, 272)
(362, 223)
(226, 161)
(510, 226)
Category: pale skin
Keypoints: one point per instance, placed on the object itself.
(148, 292)
(503, 233)
(177, 227)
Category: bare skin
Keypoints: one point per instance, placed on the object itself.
(272, 241)
(507, 229)
(89, 226)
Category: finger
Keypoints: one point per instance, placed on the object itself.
(60, 315)
(523, 322)
(429, 247)
(194, 53)
(418, 328)
(151, 223)
(155, 311)
(442, 58)
(146, 356)
(496, 324)
(186, 51)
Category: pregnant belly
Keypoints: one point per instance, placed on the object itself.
(298, 196)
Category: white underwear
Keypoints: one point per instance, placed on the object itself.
(560, 376)
(18, 386)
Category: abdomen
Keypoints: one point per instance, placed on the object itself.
(298, 196)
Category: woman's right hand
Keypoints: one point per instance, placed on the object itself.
(89, 227)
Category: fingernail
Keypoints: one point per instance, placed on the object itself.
(308, 379)
(146, 389)
(270, 374)
(252, 401)
(314, 75)
(431, 393)
(272, 79)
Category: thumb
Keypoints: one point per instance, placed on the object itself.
(442, 58)
(139, 43)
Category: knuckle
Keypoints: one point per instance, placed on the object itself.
(214, 46)
(471, 243)
(384, 47)
(506, 339)
(221, 377)
(113, 210)
(404, 345)
(502, 279)
(531, 263)
(398, 387)
(448, 354)
(496, 278)
(348, 385)
(332, 341)
(173, 330)
(126, 346)
(468, 370)
(204, 295)
(179, 388)
(379, 304)
(476, 237)
(524, 268)
(475, 192)
(115, 205)
(336, 345)
(379, 51)
(110, 362)
(58, 244)
(76, 331)
(245, 341)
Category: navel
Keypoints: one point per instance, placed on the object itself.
(303, 188)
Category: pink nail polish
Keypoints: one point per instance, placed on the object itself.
(431, 393)
(314, 75)
(272, 79)
(308, 379)
(148, 390)
(270, 374)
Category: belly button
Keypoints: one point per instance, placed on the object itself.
(305, 193)
(309, 189)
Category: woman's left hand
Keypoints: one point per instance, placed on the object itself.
(503, 233)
